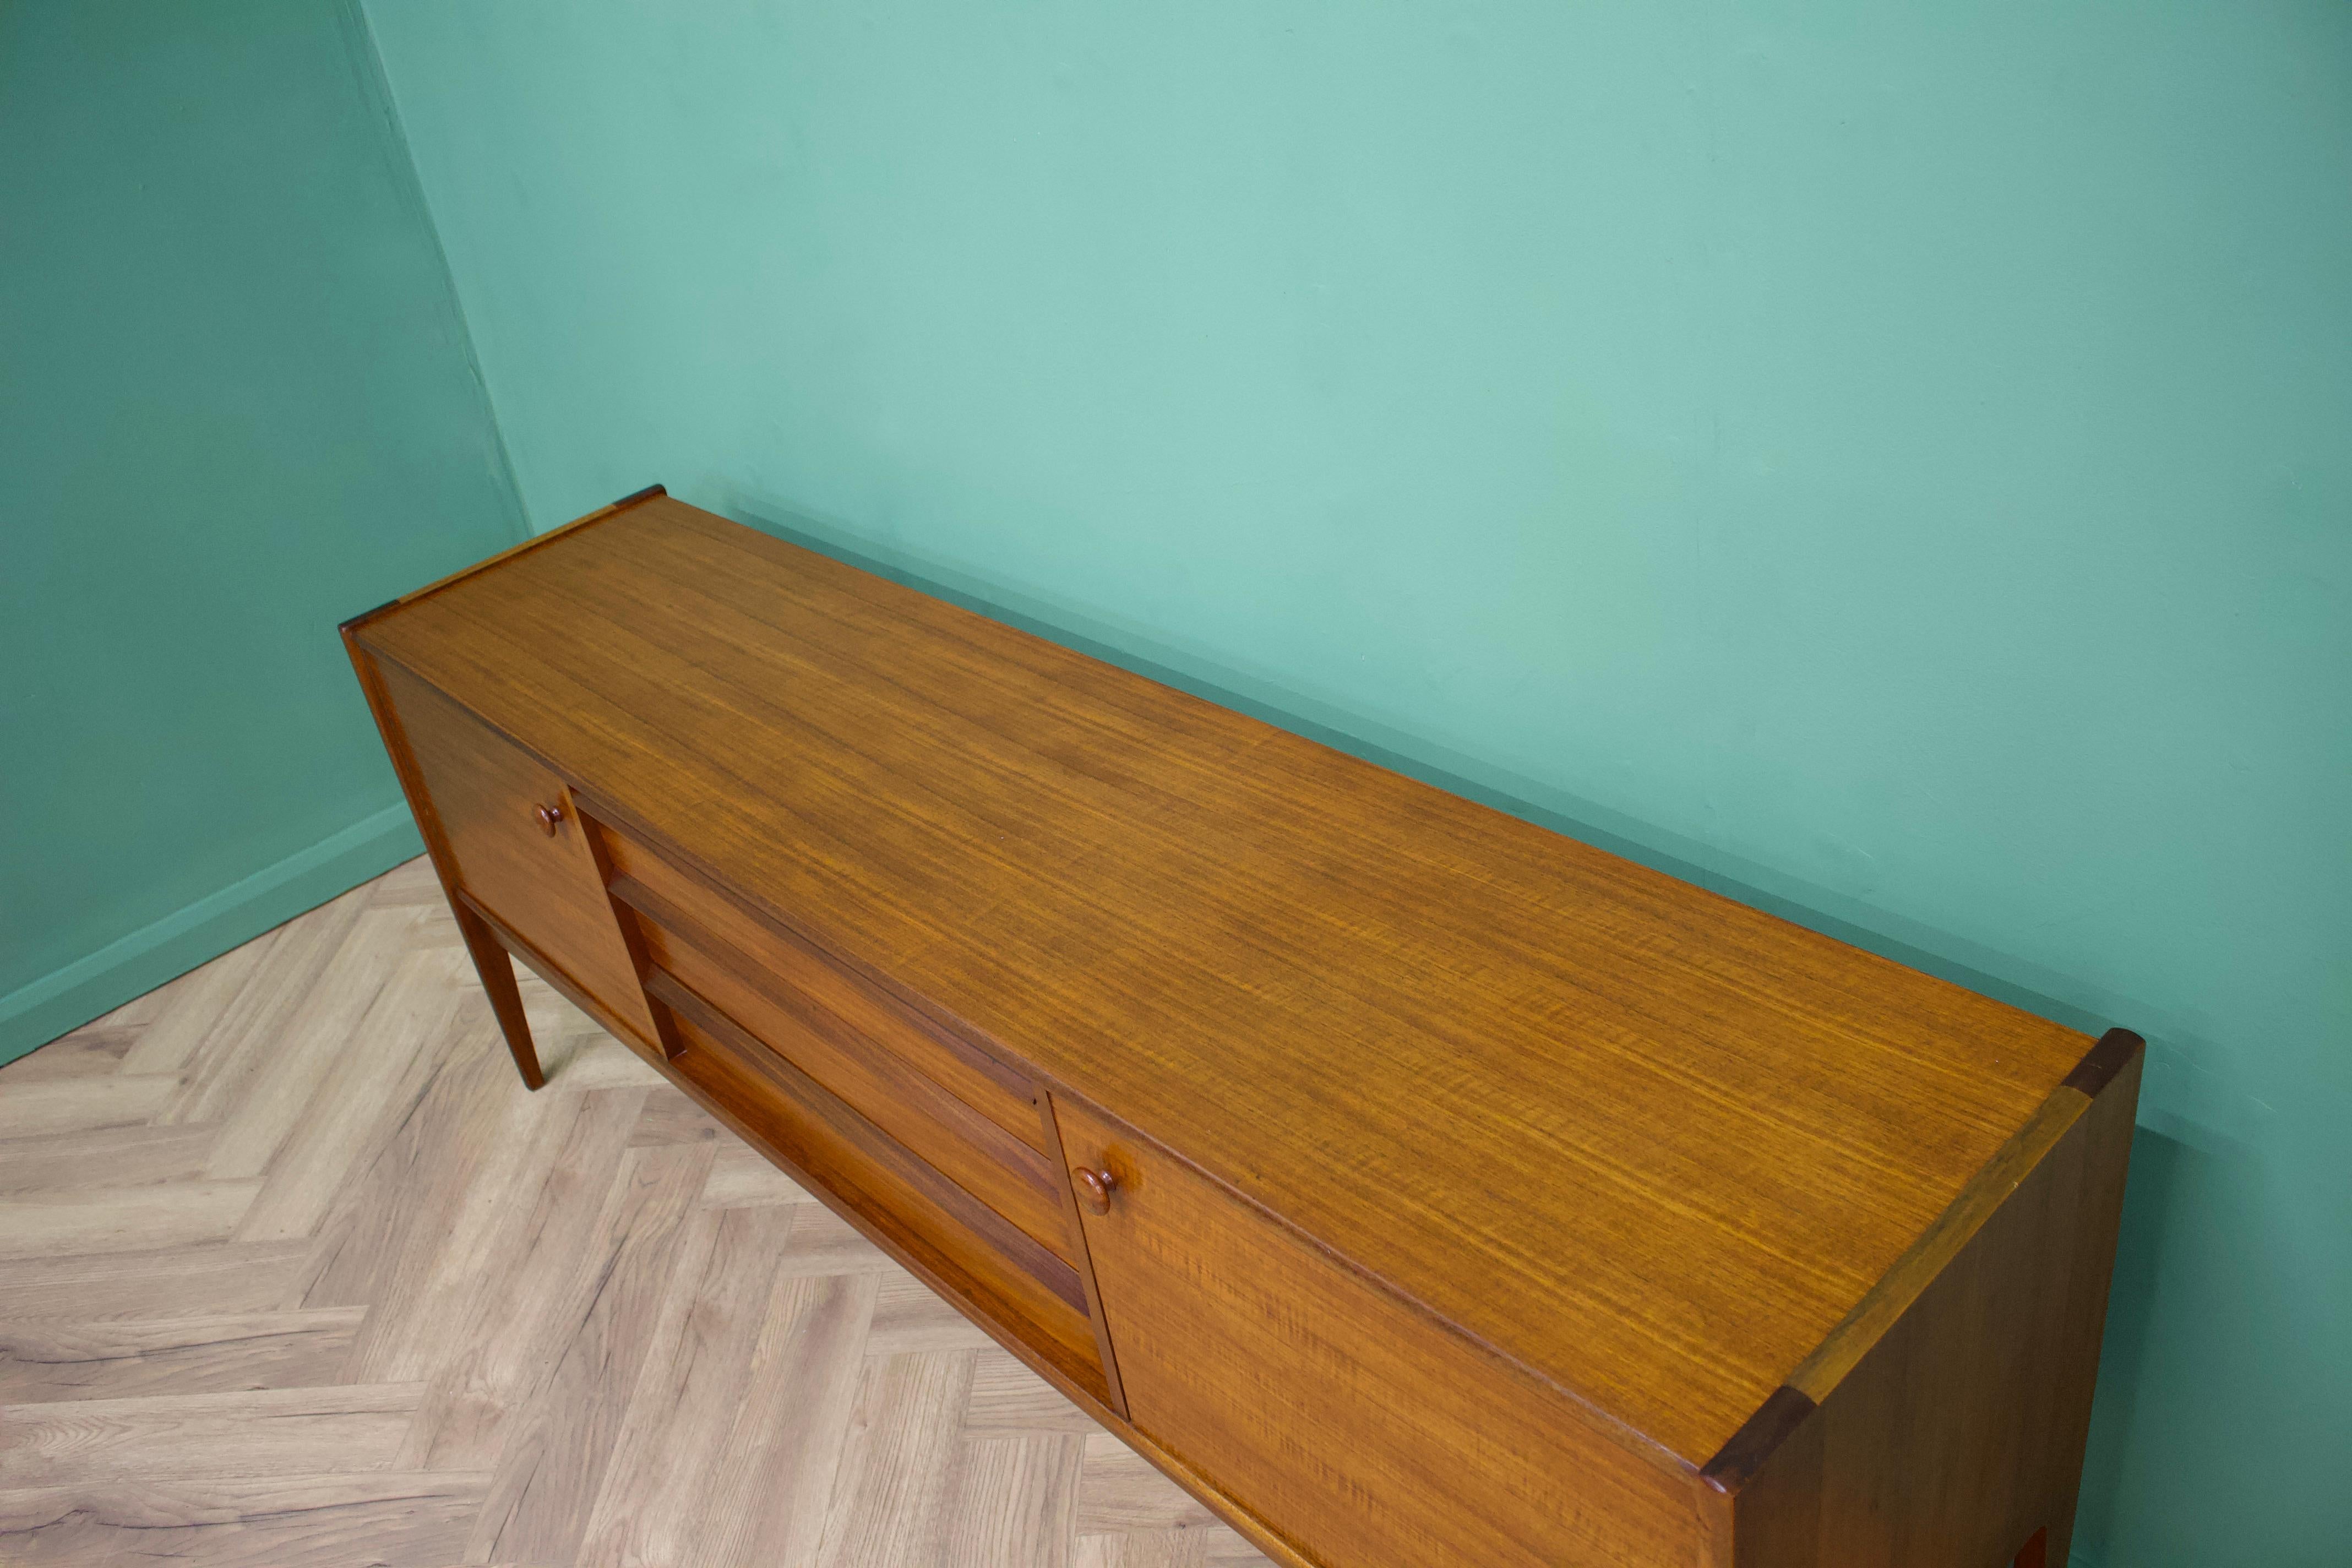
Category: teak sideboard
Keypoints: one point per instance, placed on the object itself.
(1419, 1187)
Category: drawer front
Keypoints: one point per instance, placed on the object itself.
(993, 1090)
(999, 1271)
(1007, 1175)
(1343, 1418)
(538, 878)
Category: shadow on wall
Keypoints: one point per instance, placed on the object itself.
(2209, 1312)
(2207, 1287)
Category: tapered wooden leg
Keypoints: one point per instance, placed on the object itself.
(2037, 1552)
(496, 967)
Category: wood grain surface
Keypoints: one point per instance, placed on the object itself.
(871, 1071)
(1004, 1095)
(1360, 1430)
(519, 847)
(1951, 1434)
(1365, 1003)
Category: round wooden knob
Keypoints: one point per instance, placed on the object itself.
(550, 817)
(1096, 1187)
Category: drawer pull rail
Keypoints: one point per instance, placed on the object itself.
(1009, 1241)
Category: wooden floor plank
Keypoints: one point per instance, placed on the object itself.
(825, 1243)
(1015, 1501)
(166, 1282)
(121, 1219)
(521, 1309)
(1224, 1543)
(258, 1029)
(1121, 1492)
(907, 1317)
(283, 1431)
(84, 1103)
(740, 1174)
(583, 1056)
(187, 1010)
(294, 1273)
(1008, 1400)
(115, 1358)
(387, 1517)
(669, 1117)
(92, 1050)
(651, 1502)
(310, 1036)
(377, 1078)
(768, 1504)
(555, 1455)
(409, 1243)
(889, 1499)
(133, 1156)
(1143, 1549)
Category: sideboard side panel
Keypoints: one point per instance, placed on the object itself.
(1960, 1433)
(1336, 1414)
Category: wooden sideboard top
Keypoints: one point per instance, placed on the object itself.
(1649, 1142)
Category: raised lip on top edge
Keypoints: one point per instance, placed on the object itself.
(1787, 1408)
(533, 543)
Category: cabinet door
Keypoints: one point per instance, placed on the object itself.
(521, 851)
(1340, 1416)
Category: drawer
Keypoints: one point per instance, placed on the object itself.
(683, 902)
(1006, 1174)
(1322, 1402)
(520, 849)
(997, 1268)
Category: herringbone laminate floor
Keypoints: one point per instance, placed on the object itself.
(294, 1273)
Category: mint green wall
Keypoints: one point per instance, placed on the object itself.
(236, 406)
(1895, 461)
